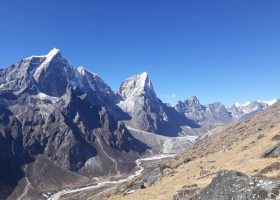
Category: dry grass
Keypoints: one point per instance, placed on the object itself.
(239, 148)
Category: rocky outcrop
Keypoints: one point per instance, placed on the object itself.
(147, 179)
(234, 185)
(272, 152)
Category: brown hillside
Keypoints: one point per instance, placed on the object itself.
(239, 147)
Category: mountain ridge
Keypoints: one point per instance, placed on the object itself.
(70, 120)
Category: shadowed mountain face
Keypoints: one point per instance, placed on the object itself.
(147, 111)
(11, 155)
(69, 116)
(210, 114)
(66, 121)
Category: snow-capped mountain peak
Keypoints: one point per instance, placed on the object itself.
(82, 71)
(54, 53)
(51, 53)
(269, 102)
(137, 85)
(51, 74)
(239, 110)
(237, 104)
(134, 90)
(33, 73)
(142, 80)
(144, 74)
(88, 80)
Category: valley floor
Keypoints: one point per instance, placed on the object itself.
(87, 192)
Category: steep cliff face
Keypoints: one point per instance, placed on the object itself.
(11, 152)
(210, 114)
(56, 120)
(147, 112)
(67, 115)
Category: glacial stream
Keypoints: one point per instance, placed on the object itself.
(100, 184)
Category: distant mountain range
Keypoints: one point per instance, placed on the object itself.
(72, 121)
(238, 111)
(217, 113)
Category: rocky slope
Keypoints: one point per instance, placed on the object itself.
(148, 113)
(163, 144)
(210, 114)
(249, 148)
(233, 185)
(69, 116)
(56, 120)
(208, 117)
(10, 152)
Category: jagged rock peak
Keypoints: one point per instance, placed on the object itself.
(137, 85)
(189, 105)
(83, 71)
(214, 113)
(88, 80)
(52, 53)
(36, 73)
(192, 101)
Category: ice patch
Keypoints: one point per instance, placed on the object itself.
(44, 96)
(270, 102)
(237, 104)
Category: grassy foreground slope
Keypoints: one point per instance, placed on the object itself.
(240, 147)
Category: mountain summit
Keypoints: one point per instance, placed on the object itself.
(48, 74)
(64, 119)
(210, 114)
(136, 86)
(147, 112)
(240, 111)
(132, 89)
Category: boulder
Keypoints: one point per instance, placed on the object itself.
(235, 185)
(272, 152)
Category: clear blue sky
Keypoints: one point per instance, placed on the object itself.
(219, 50)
